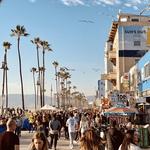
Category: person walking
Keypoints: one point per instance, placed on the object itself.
(114, 137)
(84, 125)
(39, 142)
(9, 140)
(91, 141)
(72, 126)
(54, 126)
(130, 141)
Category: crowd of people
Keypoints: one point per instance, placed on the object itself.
(91, 130)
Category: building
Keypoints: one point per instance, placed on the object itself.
(143, 72)
(128, 41)
(101, 89)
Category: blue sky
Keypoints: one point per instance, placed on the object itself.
(76, 29)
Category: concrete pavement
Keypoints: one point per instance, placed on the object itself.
(63, 144)
(26, 137)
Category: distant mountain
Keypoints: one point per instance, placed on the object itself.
(15, 100)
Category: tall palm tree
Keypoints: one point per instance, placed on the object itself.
(41, 70)
(6, 46)
(33, 70)
(18, 32)
(55, 64)
(3, 87)
(45, 46)
(37, 42)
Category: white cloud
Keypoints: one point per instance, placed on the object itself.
(107, 2)
(73, 2)
(32, 1)
(128, 4)
(135, 8)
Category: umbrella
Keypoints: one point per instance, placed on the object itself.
(121, 110)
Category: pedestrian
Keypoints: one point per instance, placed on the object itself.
(39, 142)
(114, 137)
(130, 141)
(84, 125)
(9, 140)
(3, 127)
(54, 126)
(72, 126)
(91, 141)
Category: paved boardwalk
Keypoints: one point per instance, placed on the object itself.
(26, 137)
(63, 144)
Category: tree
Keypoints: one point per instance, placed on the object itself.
(45, 46)
(18, 32)
(37, 42)
(33, 70)
(55, 64)
(6, 46)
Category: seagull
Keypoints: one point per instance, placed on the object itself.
(68, 69)
(96, 69)
(86, 21)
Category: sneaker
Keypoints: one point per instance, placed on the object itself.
(71, 146)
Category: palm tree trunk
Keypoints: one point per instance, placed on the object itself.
(3, 88)
(43, 77)
(37, 94)
(57, 97)
(41, 97)
(21, 79)
(6, 69)
(39, 75)
(34, 89)
(6, 89)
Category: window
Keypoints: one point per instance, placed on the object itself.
(135, 20)
(147, 70)
(123, 19)
(137, 43)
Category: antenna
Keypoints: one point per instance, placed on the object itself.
(145, 9)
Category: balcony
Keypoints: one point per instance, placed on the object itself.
(109, 76)
(112, 56)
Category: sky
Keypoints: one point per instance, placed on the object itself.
(77, 31)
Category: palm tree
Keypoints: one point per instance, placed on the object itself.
(41, 70)
(18, 32)
(55, 63)
(6, 46)
(37, 42)
(33, 70)
(3, 86)
(45, 46)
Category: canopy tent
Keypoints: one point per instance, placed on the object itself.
(48, 107)
(72, 108)
(121, 111)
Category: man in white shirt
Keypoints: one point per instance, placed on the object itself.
(72, 125)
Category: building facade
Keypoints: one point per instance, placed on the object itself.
(101, 89)
(143, 72)
(128, 41)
